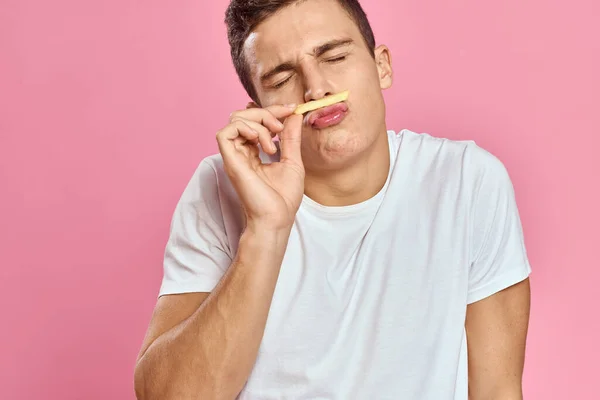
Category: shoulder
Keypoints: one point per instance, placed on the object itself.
(204, 183)
(464, 156)
(210, 184)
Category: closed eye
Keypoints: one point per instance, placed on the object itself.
(283, 82)
(332, 60)
(336, 59)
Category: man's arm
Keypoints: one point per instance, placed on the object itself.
(496, 334)
(210, 353)
(202, 346)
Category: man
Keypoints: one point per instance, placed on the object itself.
(349, 261)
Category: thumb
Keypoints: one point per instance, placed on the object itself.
(290, 139)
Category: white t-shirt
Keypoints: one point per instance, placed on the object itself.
(371, 298)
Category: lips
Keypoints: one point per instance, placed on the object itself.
(327, 116)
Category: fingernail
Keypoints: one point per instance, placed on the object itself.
(291, 105)
(273, 147)
(280, 124)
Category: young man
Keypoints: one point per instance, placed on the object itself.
(349, 261)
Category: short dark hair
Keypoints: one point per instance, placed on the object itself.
(243, 16)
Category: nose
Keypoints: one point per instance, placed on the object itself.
(316, 85)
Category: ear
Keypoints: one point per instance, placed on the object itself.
(383, 59)
(252, 105)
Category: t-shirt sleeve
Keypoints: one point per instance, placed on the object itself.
(499, 258)
(197, 252)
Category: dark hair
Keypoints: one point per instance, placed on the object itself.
(242, 16)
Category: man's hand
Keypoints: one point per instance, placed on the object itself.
(270, 193)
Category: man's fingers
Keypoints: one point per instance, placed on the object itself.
(280, 111)
(237, 141)
(227, 136)
(291, 139)
(265, 137)
(269, 117)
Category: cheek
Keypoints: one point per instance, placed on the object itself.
(365, 104)
(370, 79)
(291, 94)
(364, 87)
(365, 66)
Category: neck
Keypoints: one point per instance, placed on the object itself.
(354, 183)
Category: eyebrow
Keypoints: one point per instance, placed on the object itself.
(317, 51)
(324, 48)
(287, 66)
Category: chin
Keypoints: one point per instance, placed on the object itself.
(337, 145)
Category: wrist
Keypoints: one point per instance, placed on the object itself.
(265, 237)
(262, 248)
(267, 231)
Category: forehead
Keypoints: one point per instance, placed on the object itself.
(297, 29)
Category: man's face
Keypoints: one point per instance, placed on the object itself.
(312, 49)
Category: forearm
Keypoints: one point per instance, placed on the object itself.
(499, 394)
(495, 387)
(211, 354)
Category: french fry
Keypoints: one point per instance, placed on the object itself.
(324, 102)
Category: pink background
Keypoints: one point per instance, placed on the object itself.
(107, 107)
